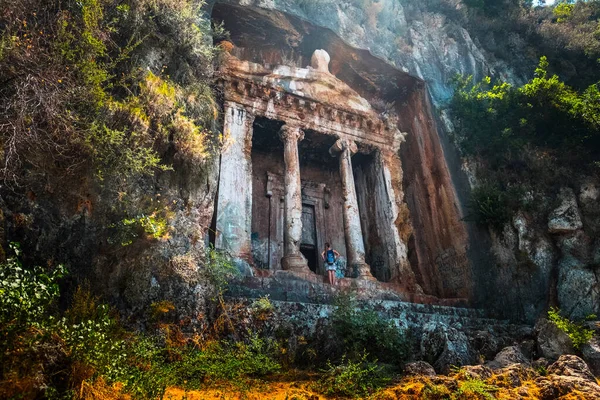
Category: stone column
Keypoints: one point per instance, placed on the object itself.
(292, 259)
(234, 203)
(355, 245)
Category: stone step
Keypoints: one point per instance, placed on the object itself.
(311, 288)
(401, 313)
(298, 296)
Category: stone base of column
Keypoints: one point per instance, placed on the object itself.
(363, 272)
(295, 263)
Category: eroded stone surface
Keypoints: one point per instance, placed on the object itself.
(445, 346)
(552, 342)
(566, 218)
(419, 368)
(508, 356)
(591, 354)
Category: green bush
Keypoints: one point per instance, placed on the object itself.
(46, 353)
(359, 330)
(227, 361)
(474, 388)
(489, 206)
(498, 121)
(578, 333)
(26, 295)
(355, 379)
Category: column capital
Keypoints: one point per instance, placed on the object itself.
(248, 118)
(291, 132)
(342, 145)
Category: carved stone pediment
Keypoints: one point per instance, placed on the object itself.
(311, 97)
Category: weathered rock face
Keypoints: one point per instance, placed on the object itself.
(508, 356)
(414, 36)
(445, 346)
(270, 32)
(551, 341)
(591, 354)
(566, 218)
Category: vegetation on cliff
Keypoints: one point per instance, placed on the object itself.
(77, 93)
(520, 32)
(97, 99)
(530, 139)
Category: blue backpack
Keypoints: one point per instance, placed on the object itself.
(330, 256)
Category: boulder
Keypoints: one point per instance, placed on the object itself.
(445, 346)
(570, 375)
(572, 366)
(419, 368)
(566, 217)
(591, 355)
(551, 341)
(540, 363)
(508, 356)
(477, 372)
(578, 289)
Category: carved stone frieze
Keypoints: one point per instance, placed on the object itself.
(311, 98)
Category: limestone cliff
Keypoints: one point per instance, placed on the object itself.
(519, 273)
(401, 57)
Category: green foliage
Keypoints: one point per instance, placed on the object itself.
(361, 330)
(219, 269)
(26, 295)
(46, 353)
(495, 120)
(83, 103)
(489, 207)
(474, 388)
(227, 361)
(578, 333)
(355, 379)
(529, 139)
(154, 226)
(563, 11)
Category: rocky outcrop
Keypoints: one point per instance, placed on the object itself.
(572, 366)
(419, 368)
(415, 37)
(551, 341)
(445, 346)
(591, 354)
(508, 356)
(566, 217)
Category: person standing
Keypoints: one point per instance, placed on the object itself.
(330, 256)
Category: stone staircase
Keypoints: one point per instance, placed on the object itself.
(306, 299)
(311, 288)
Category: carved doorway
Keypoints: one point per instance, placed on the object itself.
(309, 246)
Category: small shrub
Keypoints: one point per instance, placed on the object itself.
(489, 207)
(362, 330)
(219, 269)
(579, 334)
(26, 295)
(351, 378)
(227, 361)
(262, 308)
(474, 389)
